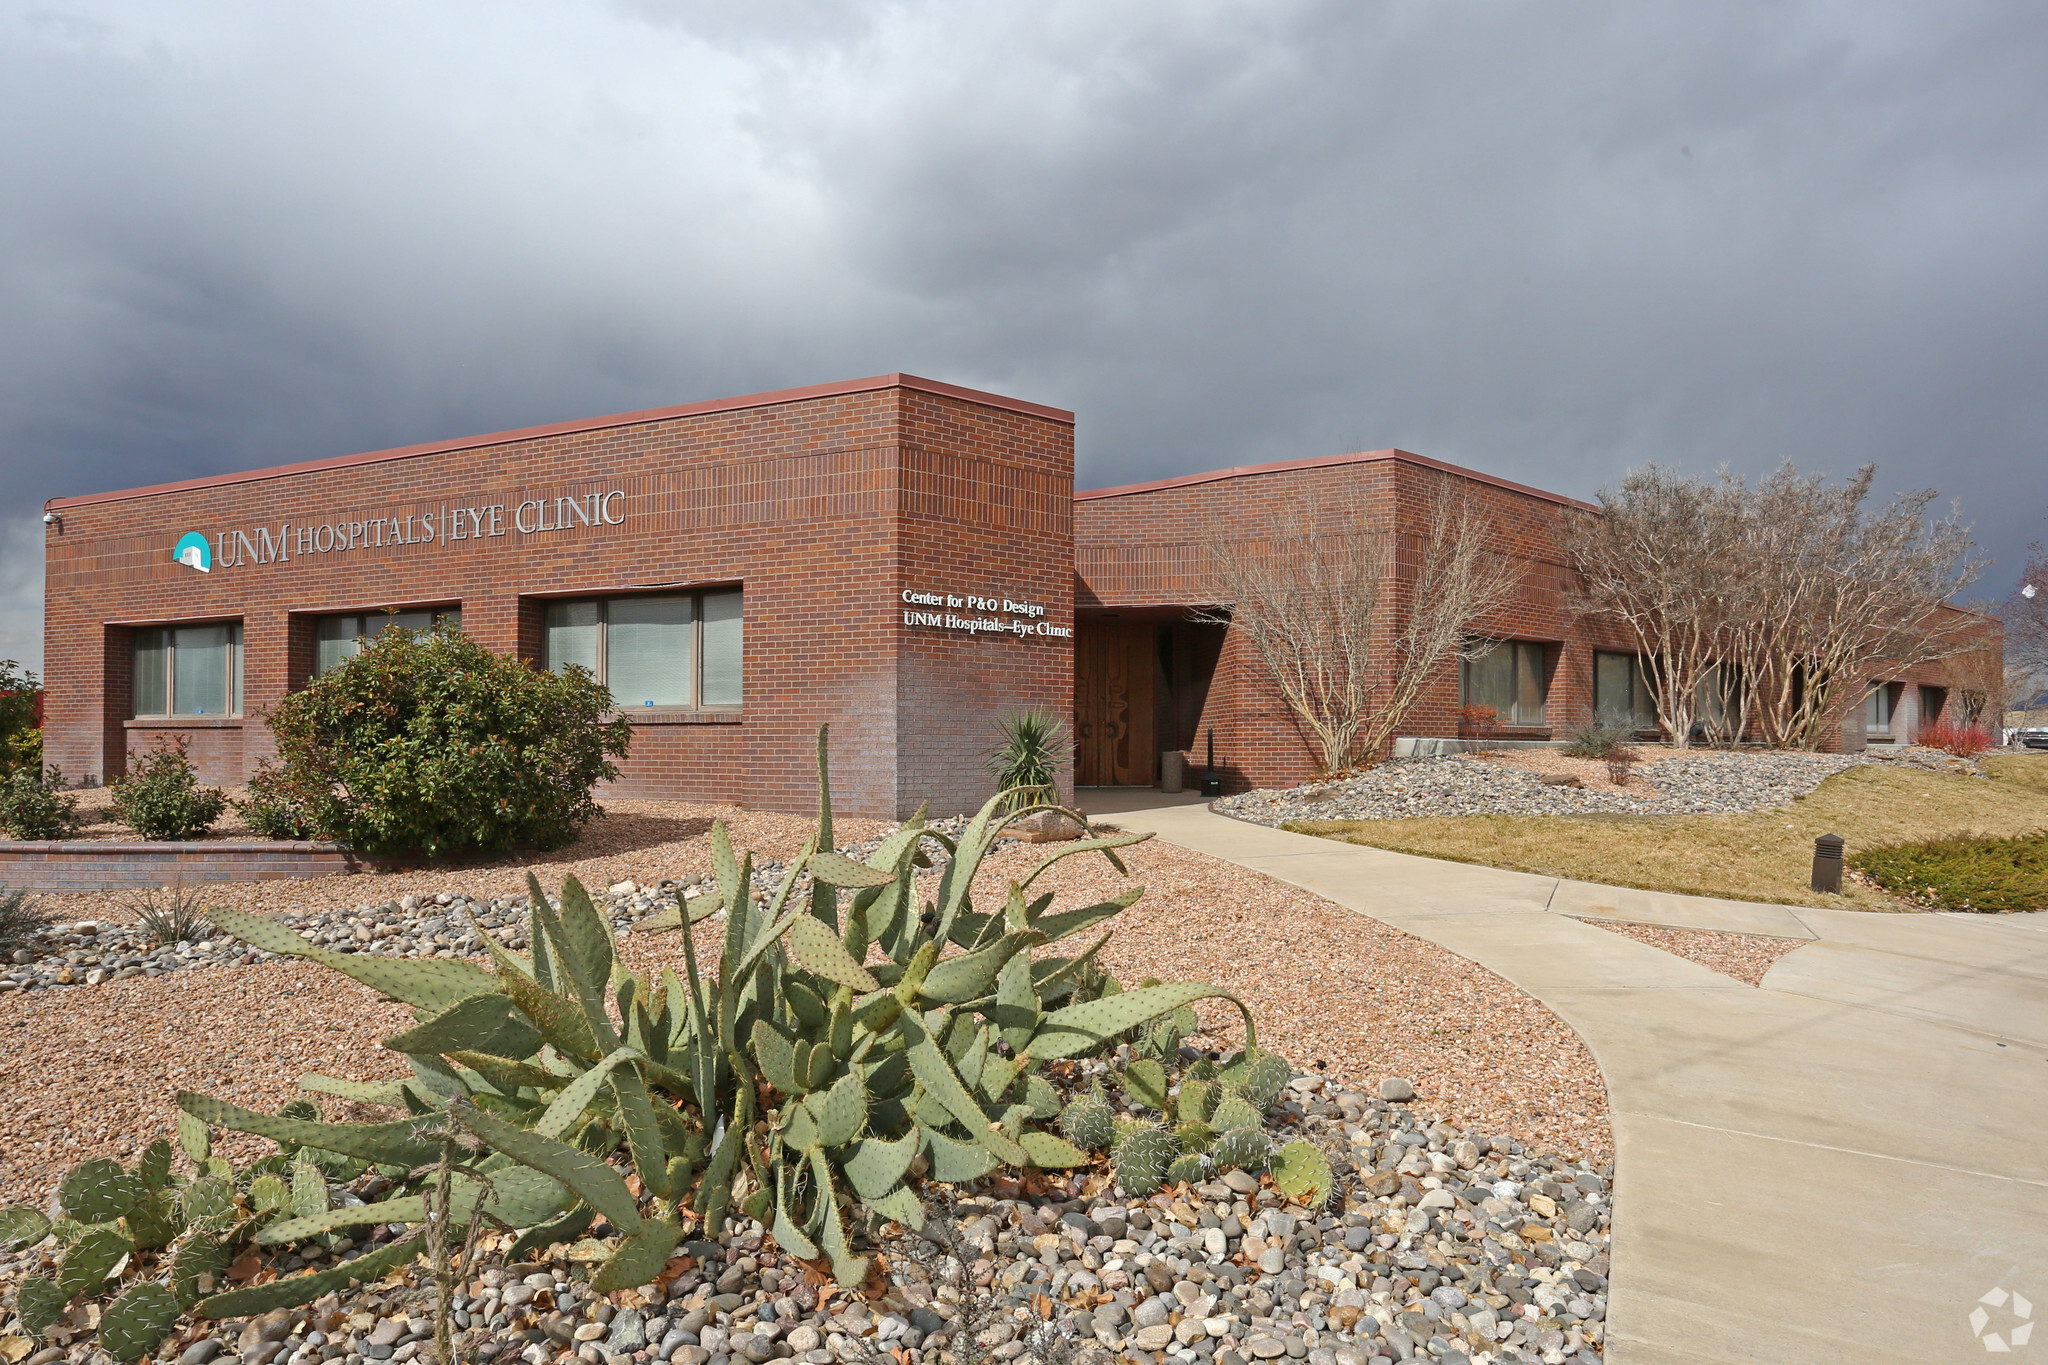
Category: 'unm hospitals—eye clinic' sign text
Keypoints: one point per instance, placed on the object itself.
(443, 524)
(1026, 618)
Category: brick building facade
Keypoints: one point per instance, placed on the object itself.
(904, 559)
(823, 507)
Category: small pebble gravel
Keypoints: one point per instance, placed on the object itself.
(1703, 783)
(1439, 1244)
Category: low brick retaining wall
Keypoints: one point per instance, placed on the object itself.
(80, 865)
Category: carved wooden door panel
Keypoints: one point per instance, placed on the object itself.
(1113, 664)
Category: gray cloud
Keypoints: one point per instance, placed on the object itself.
(1549, 241)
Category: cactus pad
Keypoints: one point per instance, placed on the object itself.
(136, 1323)
(208, 1198)
(87, 1265)
(1196, 1101)
(1188, 1169)
(40, 1304)
(1260, 1078)
(1302, 1173)
(1088, 1123)
(198, 1261)
(22, 1226)
(269, 1193)
(195, 1137)
(1142, 1159)
(1194, 1137)
(99, 1191)
(155, 1220)
(1145, 1082)
(1248, 1149)
(154, 1167)
(1235, 1111)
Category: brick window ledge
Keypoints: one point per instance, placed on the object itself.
(184, 722)
(657, 716)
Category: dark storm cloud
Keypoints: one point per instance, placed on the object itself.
(1549, 241)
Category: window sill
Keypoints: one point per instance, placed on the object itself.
(656, 716)
(184, 722)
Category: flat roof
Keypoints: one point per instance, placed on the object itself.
(1325, 462)
(624, 419)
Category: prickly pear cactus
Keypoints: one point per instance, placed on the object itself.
(1234, 1111)
(99, 1191)
(87, 1265)
(135, 1324)
(269, 1193)
(1247, 1149)
(1088, 1123)
(1145, 1082)
(155, 1221)
(195, 1137)
(1260, 1078)
(198, 1260)
(1302, 1173)
(1122, 1126)
(1194, 1137)
(1142, 1160)
(153, 1168)
(40, 1303)
(1187, 1169)
(1196, 1101)
(22, 1226)
(209, 1199)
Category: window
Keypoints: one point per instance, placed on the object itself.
(1877, 711)
(667, 650)
(337, 639)
(1509, 678)
(188, 670)
(1622, 689)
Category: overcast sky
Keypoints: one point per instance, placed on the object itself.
(1547, 240)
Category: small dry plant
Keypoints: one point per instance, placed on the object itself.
(169, 914)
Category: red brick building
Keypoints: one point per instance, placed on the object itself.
(904, 559)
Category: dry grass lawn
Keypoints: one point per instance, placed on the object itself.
(1766, 856)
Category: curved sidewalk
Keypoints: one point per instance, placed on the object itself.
(1834, 1167)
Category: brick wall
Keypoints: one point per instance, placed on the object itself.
(824, 504)
(104, 866)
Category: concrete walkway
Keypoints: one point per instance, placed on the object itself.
(1835, 1167)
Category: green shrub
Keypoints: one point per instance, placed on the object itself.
(160, 798)
(1600, 736)
(427, 742)
(1963, 872)
(21, 718)
(279, 807)
(1027, 760)
(34, 805)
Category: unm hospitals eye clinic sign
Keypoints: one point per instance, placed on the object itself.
(438, 525)
(996, 615)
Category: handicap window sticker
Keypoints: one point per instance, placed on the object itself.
(193, 552)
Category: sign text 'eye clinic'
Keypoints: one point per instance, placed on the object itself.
(442, 524)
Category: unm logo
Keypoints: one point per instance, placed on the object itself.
(2018, 1310)
(193, 552)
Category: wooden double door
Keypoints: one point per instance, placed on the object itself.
(1114, 664)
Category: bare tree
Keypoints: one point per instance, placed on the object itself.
(1657, 558)
(2026, 617)
(1347, 640)
(1835, 592)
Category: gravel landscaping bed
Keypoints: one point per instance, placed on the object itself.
(1746, 957)
(1451, 1245)
(1691, 782)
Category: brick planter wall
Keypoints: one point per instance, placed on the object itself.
(88, 866)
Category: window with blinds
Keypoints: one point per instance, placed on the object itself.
(337, 639)
(1509, 678)
(658, 651)
(188, 670)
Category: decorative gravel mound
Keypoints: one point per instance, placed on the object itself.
(1694, 783)
(1438, 1244)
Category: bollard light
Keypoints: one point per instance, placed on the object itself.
(1827, 864)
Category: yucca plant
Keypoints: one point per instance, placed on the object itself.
(1026, 762)
(170, 915)
(796, 1082)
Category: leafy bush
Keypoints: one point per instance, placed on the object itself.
(1027, 762)
(1963, 872)
(1600, 735)
(34, 805)
(22, 917)
(278, 806)
(428, 742)
(21, 718)
(1964, 741)
(160, 798)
